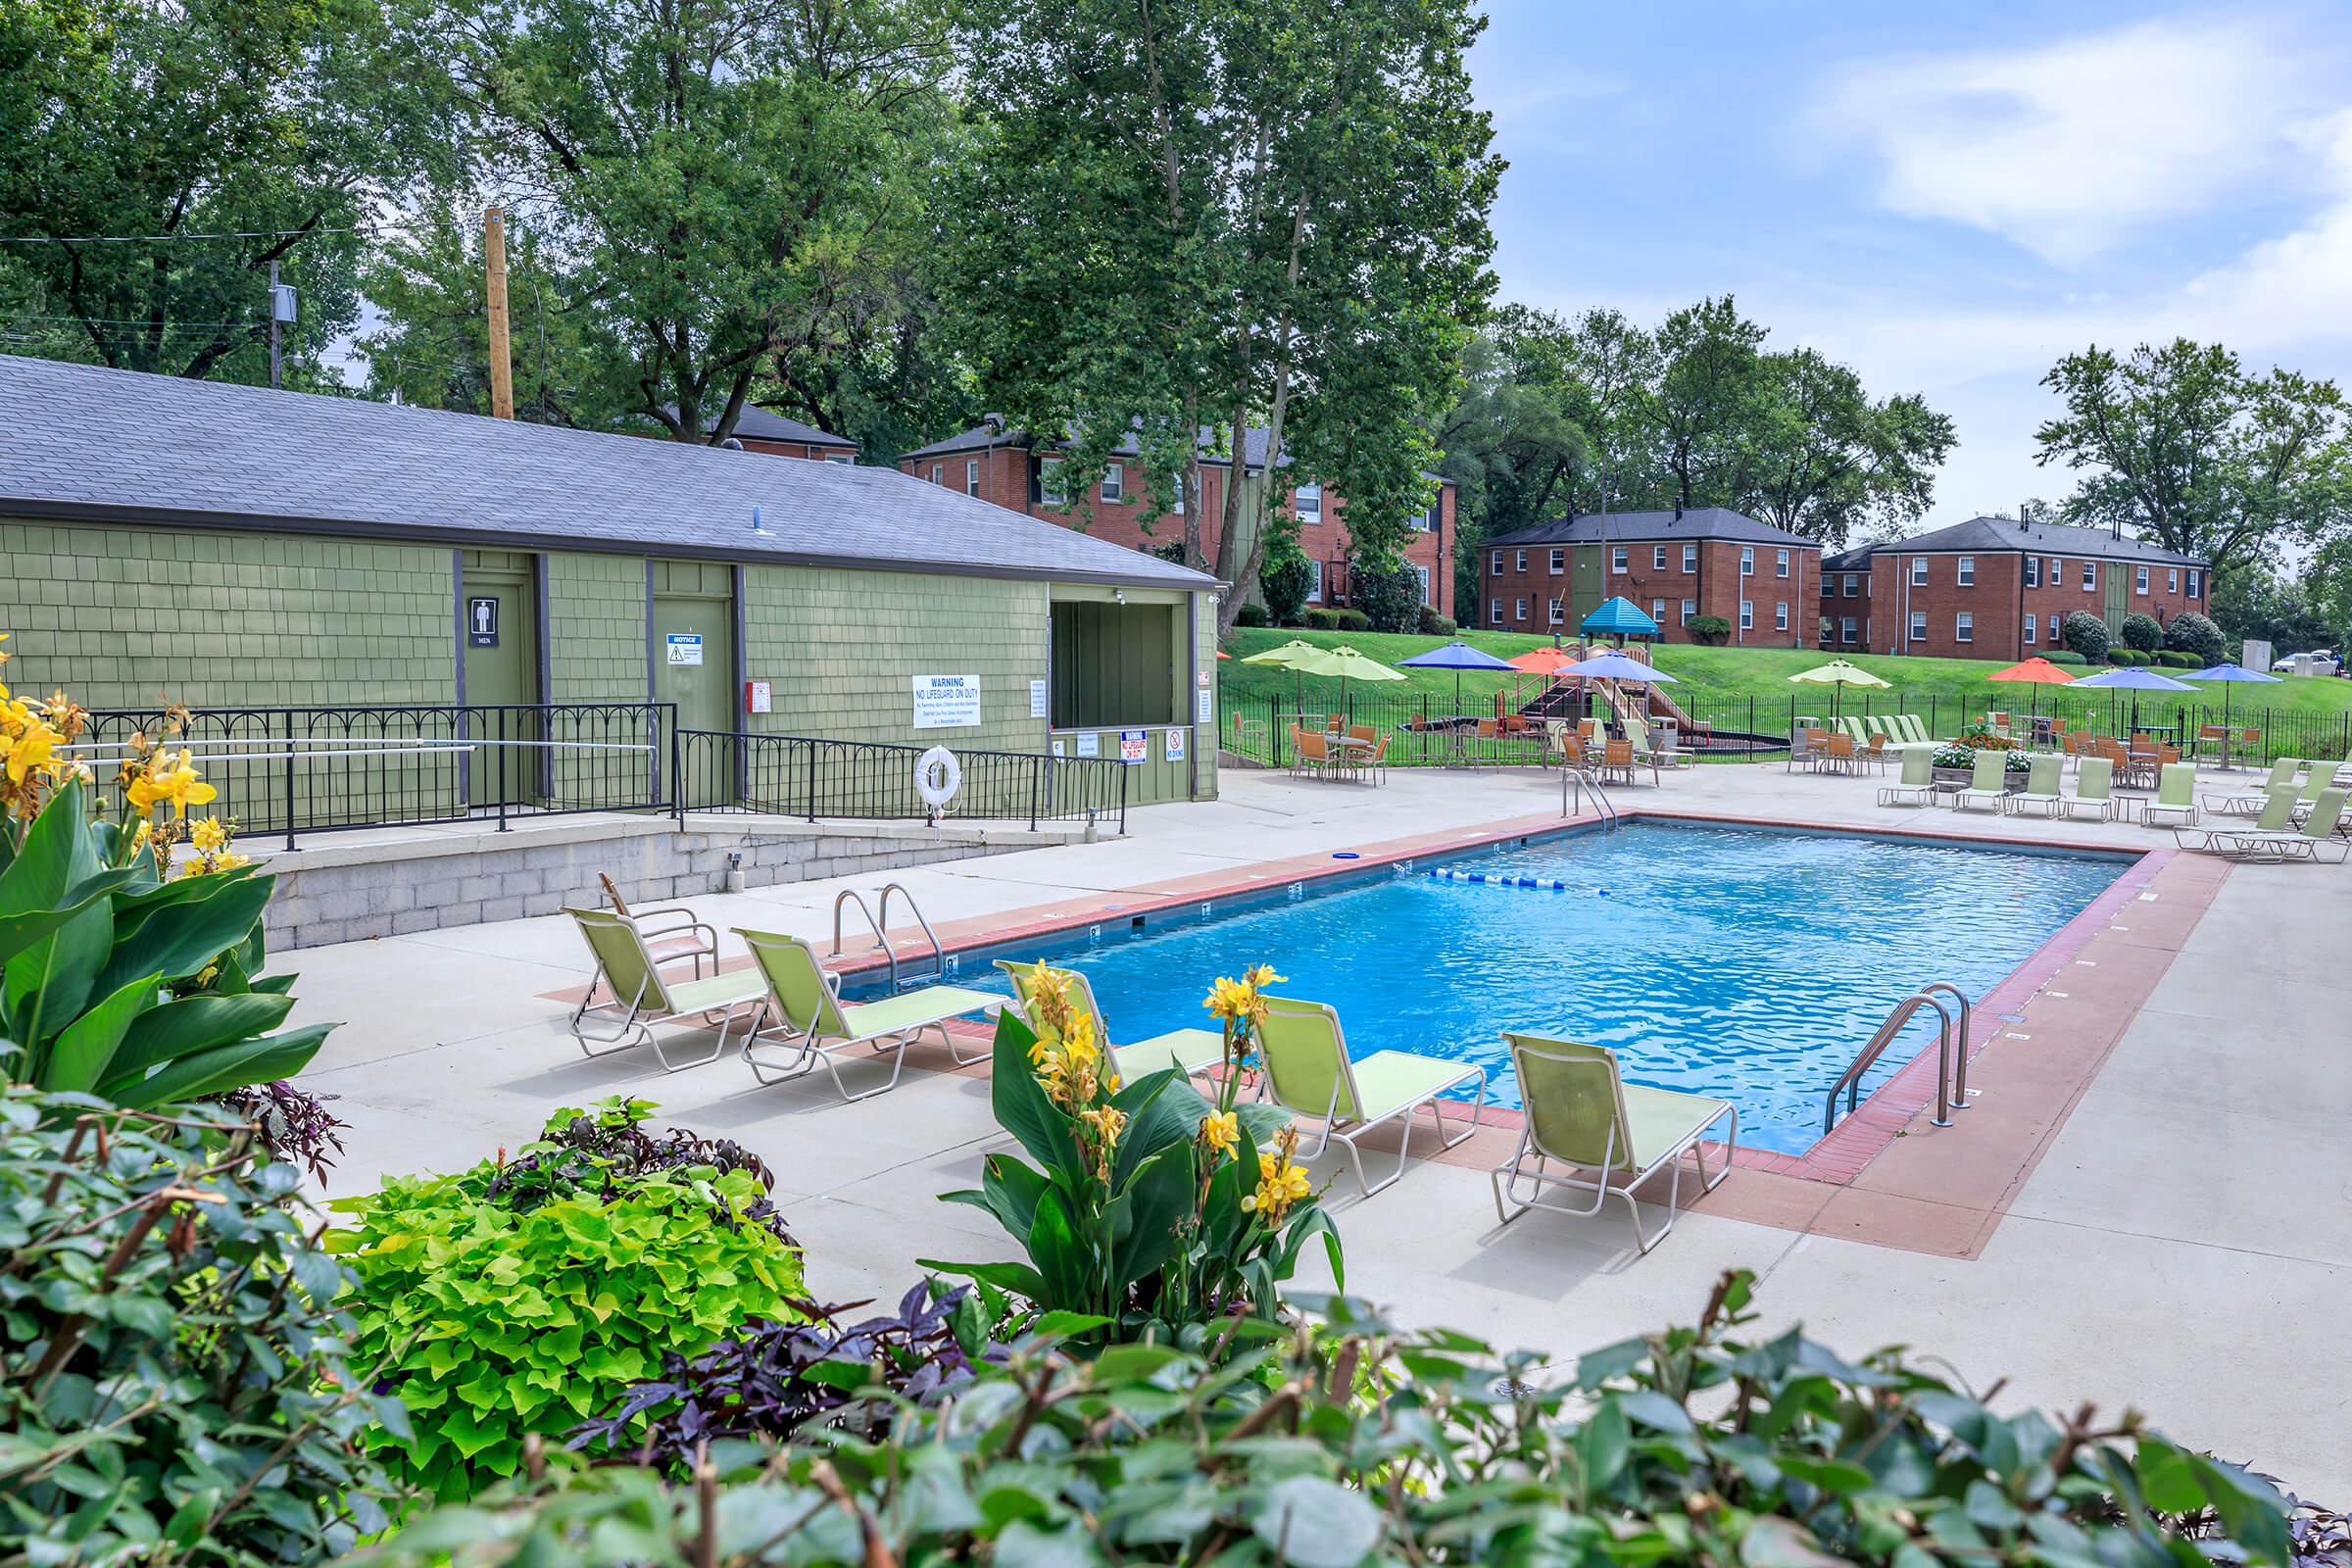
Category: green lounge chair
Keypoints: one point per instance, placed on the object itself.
(1308, 1072)
(2176, 796)
(1988, 785)
(2094, 791)
(1581, 1113)
(1191, 1051)
(815, 1026)
(639, 998)
(2319, 831)
(2041, 792)
(1917, 787)
(2277, 818)
(1913, 730)
(2247, 802)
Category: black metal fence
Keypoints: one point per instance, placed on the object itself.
(291, 771)
(795, 775)
(1431, 731)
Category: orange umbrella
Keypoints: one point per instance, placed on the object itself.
(2035, 672)
(1544, 660)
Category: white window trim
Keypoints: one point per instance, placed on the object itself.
(1519, 562)
(2032, 571)
(1558, 560)
(1498, 564)
(2090, 576)
(1690, 608)
(1619, 560)
(1845, 629)
(1964, 626)
(1747, 614)
(1747, 561)
(1919, 625)
(971, 476)
(1853, 585)
(1052, 490)
(1114, 482)
(1314, 581)
(2196, 583)
(1780, 564)
(1556, 612)
(1964, 571)
(1780, 616)
(1494, 615)
(1519, 610)
(2032, 624)
(1690, 558)
(2140, 581)
(1422, 573)
(1658, 611)
(1918, 572)
(939, 473)
(1306, 502)
(2172, 580)
(1658, 557)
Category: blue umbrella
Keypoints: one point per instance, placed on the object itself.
(2233, 673)
(1456, 656)
(2130, 678)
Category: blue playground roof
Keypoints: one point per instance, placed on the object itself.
(1620, 616)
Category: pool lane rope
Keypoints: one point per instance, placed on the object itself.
(1545, 884)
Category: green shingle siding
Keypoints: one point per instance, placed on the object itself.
(595, 652)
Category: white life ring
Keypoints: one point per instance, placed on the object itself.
(937, 777)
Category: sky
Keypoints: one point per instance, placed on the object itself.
(1946, 197)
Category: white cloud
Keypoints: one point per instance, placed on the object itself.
(2069, 147)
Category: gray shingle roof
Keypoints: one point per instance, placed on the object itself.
(1652, 527)
(115, 445)
(765, 424)
(1992, 535)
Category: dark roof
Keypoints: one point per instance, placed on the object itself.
(1652, 527)
(1993, 535)
(763, 424)
(1255, 439)
(83, 443)
(1854, 560)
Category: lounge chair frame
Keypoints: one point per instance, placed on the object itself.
(1347, 1129)
(829, 1032)
(639, 1002)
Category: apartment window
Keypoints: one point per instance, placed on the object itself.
(1114, 482)
(2032, 571)
(2172, 580)
(1690, 608)
(1967, 571)
(1558, 612)
(1560, 562)
(1690, 557)
(2057, 573)
(1747, 561)
(1179, 506)
(2090, 576)
(1658, 611)
(848, 458)
(939, 474)
(1422, 573)
(1049, 482)
(1495, 612)
(1919, 625)
(1747, 614)
(1497, 563)
(971, 478)
(1853, 584)
(1780, 616)
(1307, 503)
(2140, 581)
(2196, 583)
(1845, 629)
(1314, 581)
(1658, 557)
(1617, 560)
(1918, 572)
(2053, 631)
(1964, 627)
(1780, 564)
(2029, 624)
(1521, 565)
(1518, 610)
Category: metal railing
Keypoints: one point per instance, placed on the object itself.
(295, 770)
(798, 775)
(1951, 1066)
(879, 925)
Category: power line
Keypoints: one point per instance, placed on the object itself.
(264, 233)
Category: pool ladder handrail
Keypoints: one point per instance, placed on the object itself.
(1581, 780)
(1951, 1068)
(898, 982)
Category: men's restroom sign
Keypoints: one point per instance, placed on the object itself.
(481, 622)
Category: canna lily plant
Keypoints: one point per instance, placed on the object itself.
(1152, 1211)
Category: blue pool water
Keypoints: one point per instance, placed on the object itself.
(1748, 964)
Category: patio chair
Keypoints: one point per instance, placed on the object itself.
(2094, 791)
(1582, 1113)
(1988, 785)
(1837, 754)
(2042, 791)
(2247, 802)
(1194, 1053)
(1618, 762)
(816, 1026)
(2176, 796)
(2212, 742)
(1308, 1072)
(1316, 758)
(2277, 818)
(1917, 787)
(638, 998)
(670, 934)
(1806, 746)
(1374, 763)
(2319, 832)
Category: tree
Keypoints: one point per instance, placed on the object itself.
(2185, 447)
(2288, 613)
(732, 188)
(2142, 632)
(1389, 592)
(2193, 633)
(2086, 634)
(1818, 458)
(1208, 214)
(214, 137)
(1286, 578)
(1709, 373)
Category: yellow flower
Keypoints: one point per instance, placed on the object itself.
(1241, 1001)
(208, 835)
(33, 744)
(229, 861)
(1280, 1184)
(165, 779)
(1221, 1131)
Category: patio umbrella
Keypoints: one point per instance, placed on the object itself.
(2130, 678)
(1616, 667)
(2036, 671)
(1542, 662)
(1457, 657)
(1837, 673)
(1347, 664)
(1285, 656)
(2230, 676)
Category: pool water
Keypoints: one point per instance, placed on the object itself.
(1732, 961)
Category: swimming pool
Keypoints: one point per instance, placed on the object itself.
(1741, 962)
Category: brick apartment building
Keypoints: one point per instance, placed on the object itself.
(1674, 567)
(1997, 588)
(1007, 468)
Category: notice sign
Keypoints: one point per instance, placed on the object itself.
(1036, 699)
(481, 622)
(685, 647)
(1133, 745)
(1208, 709)
(1175, 746)
(946, 702)
(1090, 744)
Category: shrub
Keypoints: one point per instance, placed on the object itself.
(2142, 632)
(1434, 624)
(1321, 618)
(524, 1298)
(1251, 616)
(2196, 634)
(1389, 594)
(2086, 634)
(1283, 578)
(1368, 1443)
(2064, 656)
(1711, 630)
(1352, 620)
(2178, 659)
(172, 1376)
(2129, 656)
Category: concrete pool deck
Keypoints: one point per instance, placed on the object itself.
(2144, 1207)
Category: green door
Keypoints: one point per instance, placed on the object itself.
(693, 666)
(2117, 593)
(502, 680)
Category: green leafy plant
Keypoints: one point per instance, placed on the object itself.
(503, 1308)
(1389, 592)
(122, 984)
(1286, 577)
(2144, 632)
(1434, 624)
(1361, 1442)
(2178, 659)
(2086, 634)
(2196, 634)
(1711, 631)
(1151, 1210)
(173, 1382)
(2129, 656)
(2064, 656)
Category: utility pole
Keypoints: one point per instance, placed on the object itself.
(502, 365)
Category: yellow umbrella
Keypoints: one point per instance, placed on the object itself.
(1840, 675)
(1285, 656)
(1347, 664)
